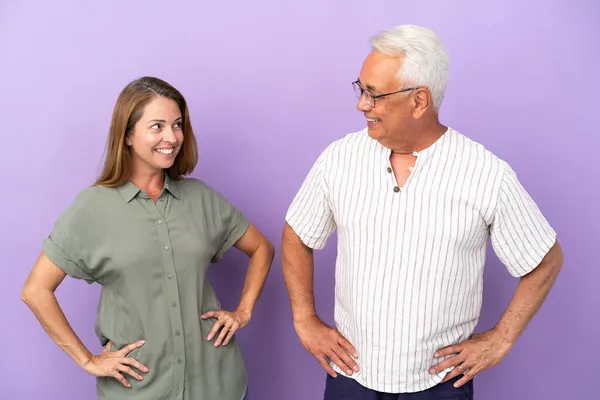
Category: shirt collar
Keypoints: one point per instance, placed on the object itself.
(425, 153)
(171, 186)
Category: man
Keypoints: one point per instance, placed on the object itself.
(414, 203)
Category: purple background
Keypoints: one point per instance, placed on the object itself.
(268, 85)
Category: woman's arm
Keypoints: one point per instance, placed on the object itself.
(38, 294)
(261, 252)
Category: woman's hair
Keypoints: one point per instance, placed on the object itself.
(127, 112)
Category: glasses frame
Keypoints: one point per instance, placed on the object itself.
(359, 91)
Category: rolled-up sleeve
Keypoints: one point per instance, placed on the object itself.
(63, 245)
(234, 225)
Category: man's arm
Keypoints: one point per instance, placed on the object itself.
(529, 296)
(321, 340)
(297, 263)
(484, 350)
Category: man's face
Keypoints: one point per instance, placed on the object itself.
(391, 115)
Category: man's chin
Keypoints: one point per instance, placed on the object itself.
(374, 133)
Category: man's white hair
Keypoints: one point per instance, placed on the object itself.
(426, 62)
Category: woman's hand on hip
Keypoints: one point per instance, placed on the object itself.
(228, 322)
(115, 363)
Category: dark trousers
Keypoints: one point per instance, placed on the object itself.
(342, 388)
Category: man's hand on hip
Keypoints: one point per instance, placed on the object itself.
(325, 342)
(480, 352)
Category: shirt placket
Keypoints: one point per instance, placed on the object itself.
(158, 212)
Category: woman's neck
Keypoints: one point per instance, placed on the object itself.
(150, 182)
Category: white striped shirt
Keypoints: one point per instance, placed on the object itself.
(409, 268)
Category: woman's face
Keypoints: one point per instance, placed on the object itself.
(157, 137)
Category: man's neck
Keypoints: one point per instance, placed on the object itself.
(419, 140)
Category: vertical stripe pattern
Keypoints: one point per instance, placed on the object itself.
(409, 268)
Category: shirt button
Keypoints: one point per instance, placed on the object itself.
(416, 154)
(389, 170)
(411, 169)
(177, 333)
(170, 276)
(159, 221)
(161, 199)
(179, 361)
(173, 304)
(166, 248)
(396, 189)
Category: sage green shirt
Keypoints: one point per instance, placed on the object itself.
(151, 261)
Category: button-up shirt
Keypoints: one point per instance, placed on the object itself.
(409, 269)
(151, 259)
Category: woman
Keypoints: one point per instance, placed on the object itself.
(147, 234)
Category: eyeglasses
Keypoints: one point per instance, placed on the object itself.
(370, 97)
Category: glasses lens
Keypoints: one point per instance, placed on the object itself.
(357, 89)
(359, 93)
